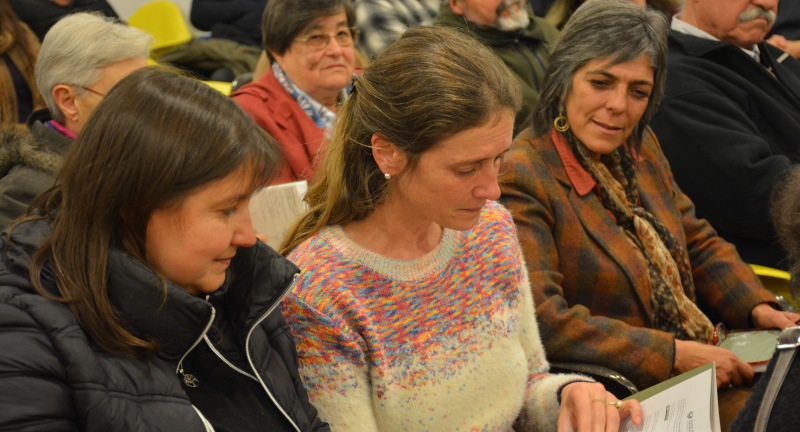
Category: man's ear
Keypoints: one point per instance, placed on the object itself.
(455, 6)
(390, 159)
(65, 97)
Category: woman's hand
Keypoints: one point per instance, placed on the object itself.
(730, 369)
(765, 316)
(589, 407)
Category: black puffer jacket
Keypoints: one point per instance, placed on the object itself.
(53, 378)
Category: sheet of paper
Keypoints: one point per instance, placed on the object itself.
(274, 208)
(687, 402)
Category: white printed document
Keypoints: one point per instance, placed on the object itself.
(685, 403)
(274, 208)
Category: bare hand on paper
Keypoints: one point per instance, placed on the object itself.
(588, 406)
(730, 369)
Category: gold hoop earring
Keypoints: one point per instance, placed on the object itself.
(561, 123)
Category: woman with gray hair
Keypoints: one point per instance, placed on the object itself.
(623, 274)
(413, 311)
(309, 44)
(81, 58)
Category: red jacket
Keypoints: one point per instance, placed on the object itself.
(277, 113)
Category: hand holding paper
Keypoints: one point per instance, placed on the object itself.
(687, 402)
(587, 406)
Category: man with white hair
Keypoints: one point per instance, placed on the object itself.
(82, 57)
(522, 40)
(729, 122)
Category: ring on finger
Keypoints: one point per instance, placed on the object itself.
(616, 404)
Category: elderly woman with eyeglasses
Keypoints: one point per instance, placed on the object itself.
(310, 46)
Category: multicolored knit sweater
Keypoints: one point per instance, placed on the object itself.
(446, 342)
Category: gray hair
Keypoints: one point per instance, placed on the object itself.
(284, 20)
(617, 30)
(78, 46)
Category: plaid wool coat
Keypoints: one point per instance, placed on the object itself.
(591, 290)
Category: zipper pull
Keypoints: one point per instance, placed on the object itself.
(189, 379)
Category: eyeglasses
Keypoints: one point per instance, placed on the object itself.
(318, 41)
(91, 90)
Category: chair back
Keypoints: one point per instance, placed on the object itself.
(165, 22)
(780, 283)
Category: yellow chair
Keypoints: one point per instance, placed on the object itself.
(222, 86)
(165, 22)
(777, 281)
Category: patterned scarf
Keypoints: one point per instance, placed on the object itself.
(668, 268)
(322, 117)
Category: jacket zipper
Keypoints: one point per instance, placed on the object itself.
(206, 423)
(250, 359)
(256, 377)
(179, 369)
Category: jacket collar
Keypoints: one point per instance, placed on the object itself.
(257, 279)
(581, 180)
(596, 220)
(699, 47)
(38, 147)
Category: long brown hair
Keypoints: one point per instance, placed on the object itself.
(429, 85)
(19, 31)
(153, 140)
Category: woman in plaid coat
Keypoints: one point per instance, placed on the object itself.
(623, 274)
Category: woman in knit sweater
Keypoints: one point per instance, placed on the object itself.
(413, 311)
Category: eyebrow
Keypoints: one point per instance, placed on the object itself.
(232, 199)
(477, 161)
(614, 77)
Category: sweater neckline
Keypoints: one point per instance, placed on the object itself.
(395, 269)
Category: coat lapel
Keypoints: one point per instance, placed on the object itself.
(602, 229)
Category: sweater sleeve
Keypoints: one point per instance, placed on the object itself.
(33, 393)
(333, 366)
(542, 404)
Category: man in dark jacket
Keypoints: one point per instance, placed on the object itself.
(522, 40)
(729, 122)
